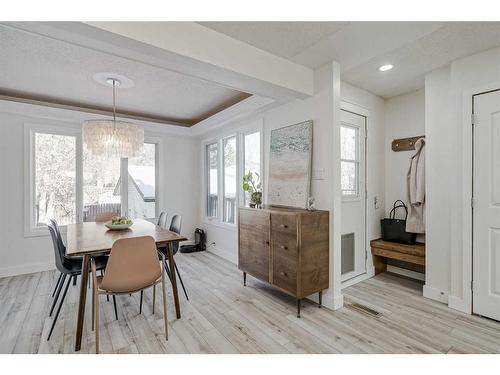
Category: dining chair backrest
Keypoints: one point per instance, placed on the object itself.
(58, 251)
(175, 226)
(104, 216)
(58, 234)
(162, 219)
(132, 265)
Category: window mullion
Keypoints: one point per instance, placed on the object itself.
(124, 186)
(79, 179)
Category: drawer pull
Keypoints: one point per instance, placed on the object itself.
(284, 226)
(267, 242)
(284, 247)
(283, 274)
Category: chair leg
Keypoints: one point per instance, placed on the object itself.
(140, 306)
(93, 311)
(57, 294)
(107, 295)
(180, 279)
(57, 284)
(59, 307)
(167, 270)
(114, 303)
(154, 298)
(164, 298)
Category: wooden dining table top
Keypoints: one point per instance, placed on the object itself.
(94, 238)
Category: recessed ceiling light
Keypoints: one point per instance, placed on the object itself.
(385, 68)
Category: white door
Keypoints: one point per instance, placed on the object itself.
(486, 211)
(353, 224)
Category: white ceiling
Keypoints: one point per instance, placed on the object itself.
(414, 48)
(36, 66)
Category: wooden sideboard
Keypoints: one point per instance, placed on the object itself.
(286, 247)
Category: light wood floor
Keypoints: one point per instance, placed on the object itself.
(222, 316)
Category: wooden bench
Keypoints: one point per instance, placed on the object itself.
(383, 250)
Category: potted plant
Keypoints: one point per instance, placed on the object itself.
(252, 185)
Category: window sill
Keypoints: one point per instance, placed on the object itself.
(217, 223)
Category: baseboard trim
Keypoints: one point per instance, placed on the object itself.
(365, 276)
(26, 269)
(225, 254)
(435, 294)
(459, 304)
(404, 272)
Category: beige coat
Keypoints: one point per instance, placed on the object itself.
(415, 223)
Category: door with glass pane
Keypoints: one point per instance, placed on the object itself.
(353, 224)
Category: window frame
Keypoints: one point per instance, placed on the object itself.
(239, 134)
(30, 130)
(356, 162)
(206, 178)
(223, 170)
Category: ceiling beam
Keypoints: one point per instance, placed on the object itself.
(191, 49)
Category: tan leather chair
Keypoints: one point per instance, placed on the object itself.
(132, 267)
(104, 216)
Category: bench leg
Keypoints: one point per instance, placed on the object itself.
(380, 264)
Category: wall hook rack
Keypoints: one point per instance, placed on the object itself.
(405, 144)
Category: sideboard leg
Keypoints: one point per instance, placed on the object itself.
(298, 308)
(244, 279)
(320, 295)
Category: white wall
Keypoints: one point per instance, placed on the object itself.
(448, 149)
(404, 117)
(20, 254)
(322, 108)
(374, 108)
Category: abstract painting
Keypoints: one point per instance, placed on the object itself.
(290, 165)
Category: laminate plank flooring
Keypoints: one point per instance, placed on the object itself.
(223, 316)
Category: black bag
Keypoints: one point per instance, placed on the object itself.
(394, 230)
(200, 239)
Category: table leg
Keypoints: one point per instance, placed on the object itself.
(82, 302)
(174, 280)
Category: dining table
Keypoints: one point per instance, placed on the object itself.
(91, 239)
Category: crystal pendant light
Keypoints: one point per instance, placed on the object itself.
(112, 138)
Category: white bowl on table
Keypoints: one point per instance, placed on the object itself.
(111, 226)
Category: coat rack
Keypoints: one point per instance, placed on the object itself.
(405, 144)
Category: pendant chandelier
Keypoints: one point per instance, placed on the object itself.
(113, 138)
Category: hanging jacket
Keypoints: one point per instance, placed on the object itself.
(415, 182)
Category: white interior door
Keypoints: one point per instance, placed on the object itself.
(486, 211)
(353, 224)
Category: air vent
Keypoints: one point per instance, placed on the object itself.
(364, 309)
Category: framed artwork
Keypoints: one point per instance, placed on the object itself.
(290, 165)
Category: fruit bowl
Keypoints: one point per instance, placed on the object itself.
(119, 223)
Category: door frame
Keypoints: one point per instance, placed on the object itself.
(465, 304)
(369, 271)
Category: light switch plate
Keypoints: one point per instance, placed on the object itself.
(318, 174)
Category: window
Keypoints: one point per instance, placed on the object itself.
(54, 178)
(229, 206)
(212, 179)
(349, 154)
(142, 183)
(71, 185)
(227, 159)
(251, 161)
(101, 185)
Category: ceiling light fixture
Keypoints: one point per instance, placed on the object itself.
(113, 138)
(385, 68)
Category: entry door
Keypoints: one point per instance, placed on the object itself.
(486, 211)
(353, 224)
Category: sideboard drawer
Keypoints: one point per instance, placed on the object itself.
(285, 272)
(284, 223)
